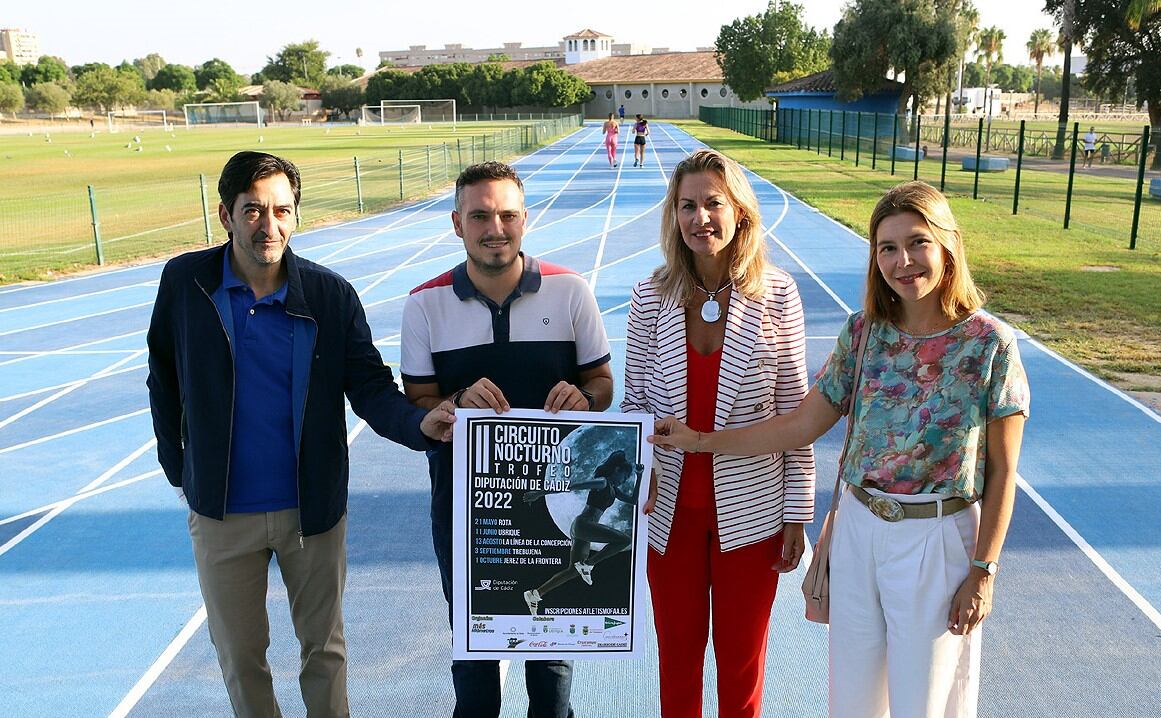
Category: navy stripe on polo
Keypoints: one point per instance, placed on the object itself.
(263, 462)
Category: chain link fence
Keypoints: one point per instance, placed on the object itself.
(1108, 189)
(47, 233)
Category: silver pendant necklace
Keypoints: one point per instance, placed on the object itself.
(711, 311)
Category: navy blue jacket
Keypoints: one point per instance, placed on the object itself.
(191, 383)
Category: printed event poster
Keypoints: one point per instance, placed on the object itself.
(549, 538)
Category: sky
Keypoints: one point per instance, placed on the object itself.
(190, 33)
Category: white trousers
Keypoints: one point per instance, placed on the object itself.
(891, 587)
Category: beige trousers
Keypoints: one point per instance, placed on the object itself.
(233, 558)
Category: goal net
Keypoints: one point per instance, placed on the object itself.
(138, 119)
(218, 113)
(430, 111)
(391, 114)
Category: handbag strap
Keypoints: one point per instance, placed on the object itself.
(860, 349)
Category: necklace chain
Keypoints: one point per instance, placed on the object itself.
(712, 295)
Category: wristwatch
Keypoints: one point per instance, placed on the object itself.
(990, 566)
(588, 395)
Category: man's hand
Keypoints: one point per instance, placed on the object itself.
(793, 546)
(567, 397)
(437, 424)
(484, 395)
(180, 495)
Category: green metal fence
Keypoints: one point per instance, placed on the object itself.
(46, 233)
(1118, 197)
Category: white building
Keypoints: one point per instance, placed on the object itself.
(19, 46)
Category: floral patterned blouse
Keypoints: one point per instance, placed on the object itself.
(924, 403)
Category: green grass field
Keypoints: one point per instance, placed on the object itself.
(149, 199)
(1081, 291)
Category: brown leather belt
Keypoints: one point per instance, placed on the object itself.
(889, 509)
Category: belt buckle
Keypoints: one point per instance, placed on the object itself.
(886, 508)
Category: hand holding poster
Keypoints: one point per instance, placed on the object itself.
(549, 539)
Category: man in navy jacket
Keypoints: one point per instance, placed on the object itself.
(251, 350)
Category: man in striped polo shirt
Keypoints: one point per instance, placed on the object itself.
(500, 330)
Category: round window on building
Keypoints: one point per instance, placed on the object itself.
(665, 94)
(628, 94)
(704, 92)
(684, 93)
(722, 92)
(608, 94)
(645, 94)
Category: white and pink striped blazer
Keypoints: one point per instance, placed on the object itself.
(763, 373)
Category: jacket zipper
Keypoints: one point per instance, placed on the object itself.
(301, 421)
(233, 397)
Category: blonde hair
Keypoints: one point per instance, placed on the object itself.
(676, 277)
(959, 295)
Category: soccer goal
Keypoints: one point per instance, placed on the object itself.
(138, 118)
(430, 111)
(390, 115)
(217, 113)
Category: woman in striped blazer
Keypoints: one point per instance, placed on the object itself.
(715, 337)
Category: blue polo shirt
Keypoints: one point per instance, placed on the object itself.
(263, 463)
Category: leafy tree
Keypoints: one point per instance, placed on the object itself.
(78, 70)
(47, 97)
(484, 87)
(179, 78)
(213, 71)
(499, 57)
(11, 98)
(149, 66)
(161, 99)
(9, 73)
(384, 63)
(281, 98)
(759, 50)
(546, 85)
(1120, 59)
(389, 84)
(46, 69)
(299, 63)
(1040, 45)
(1138, 11)
(106, 88)
(341, 95)
(910, 37)
(346, 70)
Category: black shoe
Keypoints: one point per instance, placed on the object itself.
(634, 163)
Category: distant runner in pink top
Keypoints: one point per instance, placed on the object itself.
(612, 129)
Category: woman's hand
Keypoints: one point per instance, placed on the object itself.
(669, 433)
(793, 546)
(971, 604)
(652, 502)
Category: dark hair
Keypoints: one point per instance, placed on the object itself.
(246, 168)
(616, 460)
(483, 172)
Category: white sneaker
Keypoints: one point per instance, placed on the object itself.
(532, 598)
(585, 571)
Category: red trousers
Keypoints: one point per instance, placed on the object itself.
(742, 586)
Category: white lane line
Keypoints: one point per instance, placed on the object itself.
(1097, 380)
(70, 432)
(34, 392)
(77, 319)
(112, 471)
(80, 497)
(72, 347)
(1098, 560)
(107, 371)
(154, 671)
(86, 295)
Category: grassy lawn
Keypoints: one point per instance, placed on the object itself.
(149, 198)
(1080, 291)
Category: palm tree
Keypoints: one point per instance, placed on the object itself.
(990, 46)
(969, 23)
(1040, 46)
(1138, 10)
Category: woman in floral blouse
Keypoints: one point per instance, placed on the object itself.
(929, 475)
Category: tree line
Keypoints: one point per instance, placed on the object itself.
(51, 86)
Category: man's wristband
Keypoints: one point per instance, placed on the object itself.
(589, 396)
(455, 398)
